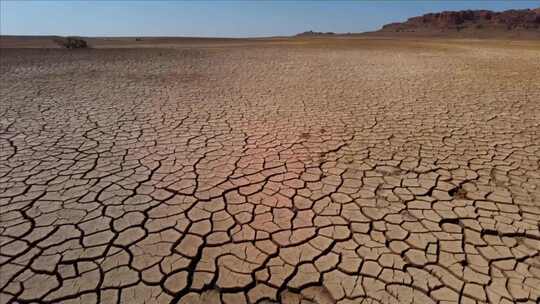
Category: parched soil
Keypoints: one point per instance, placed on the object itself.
(303, 171)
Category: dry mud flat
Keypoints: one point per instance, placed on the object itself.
(316, 171)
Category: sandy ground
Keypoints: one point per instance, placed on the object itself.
(297, 171)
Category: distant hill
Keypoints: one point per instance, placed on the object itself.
(312, 34)
(469, 23)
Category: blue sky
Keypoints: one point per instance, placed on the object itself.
(217, 18)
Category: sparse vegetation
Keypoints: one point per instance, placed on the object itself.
(72, 42)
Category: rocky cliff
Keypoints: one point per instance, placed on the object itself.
(470, 21)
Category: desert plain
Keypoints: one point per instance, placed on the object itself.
(297, 170)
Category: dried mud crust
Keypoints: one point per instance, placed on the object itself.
(270, 175)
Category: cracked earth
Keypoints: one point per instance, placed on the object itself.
(275, 173)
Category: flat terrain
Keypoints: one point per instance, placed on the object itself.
(344, 170)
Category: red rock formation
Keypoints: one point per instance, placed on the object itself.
(527, 19)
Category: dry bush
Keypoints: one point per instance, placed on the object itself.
(72, 42)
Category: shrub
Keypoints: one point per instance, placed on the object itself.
(72, 43)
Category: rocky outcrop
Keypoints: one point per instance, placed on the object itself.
(312, 33)
(470, 20)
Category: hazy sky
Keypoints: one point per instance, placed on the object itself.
(217, 18)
